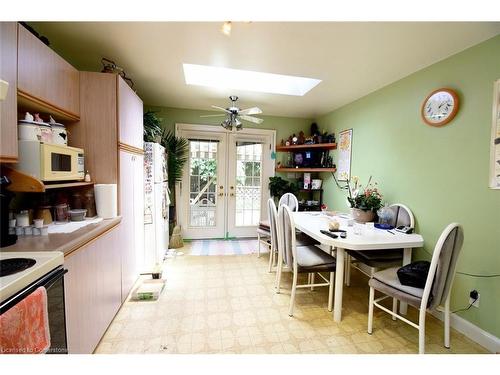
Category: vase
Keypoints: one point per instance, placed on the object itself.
(361, 216)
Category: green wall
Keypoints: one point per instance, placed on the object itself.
(440, 173)
(284, 126)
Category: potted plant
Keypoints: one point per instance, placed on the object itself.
(152, 127)
(364, 201)
(279, 186)
(177, 155)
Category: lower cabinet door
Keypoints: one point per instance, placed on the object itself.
(92, 291)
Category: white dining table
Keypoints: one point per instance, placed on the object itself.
(370, 239)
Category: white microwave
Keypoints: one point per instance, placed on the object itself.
(51, 162)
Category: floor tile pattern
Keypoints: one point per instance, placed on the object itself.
(228, 304)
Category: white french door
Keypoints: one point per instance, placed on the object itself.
(224, 185)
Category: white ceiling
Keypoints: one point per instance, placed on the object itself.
(351, 58)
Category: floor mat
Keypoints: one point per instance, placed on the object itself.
(222, 247)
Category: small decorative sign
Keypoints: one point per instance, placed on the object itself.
(344, 157)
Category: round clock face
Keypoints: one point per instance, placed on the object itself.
(440, 107)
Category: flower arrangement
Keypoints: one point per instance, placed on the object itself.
(366, 198)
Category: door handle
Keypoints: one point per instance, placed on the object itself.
(221, 194)
(232, 194)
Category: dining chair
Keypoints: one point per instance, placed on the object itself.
(301, 259)
(436, 293)
(264, 228)
(290, 200)
(301, 238)
(376, 260)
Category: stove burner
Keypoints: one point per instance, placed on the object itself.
(14, 265)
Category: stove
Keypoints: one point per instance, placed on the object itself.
(20, 269)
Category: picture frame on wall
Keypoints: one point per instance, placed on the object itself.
(344, 155)
(495, 139)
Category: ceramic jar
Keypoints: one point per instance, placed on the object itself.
(59, 134)
(361, 216)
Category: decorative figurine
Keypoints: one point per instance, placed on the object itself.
(314, 129)
(289, 141)
(301, 140)
(37, 118)
(294, 139)
(282, 142)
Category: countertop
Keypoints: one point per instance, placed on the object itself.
(63, 242)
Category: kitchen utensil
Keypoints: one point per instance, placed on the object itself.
(77, 215)
(38, 223)
(44, 213)
(89, 203)
(61, 212)
(22, 218)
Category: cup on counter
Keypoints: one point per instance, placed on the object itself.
(359, 229)
(36, 231)
(28, 231)
(38, 223)
(12, 223)
(20, 231)
(44, 230)
(370, 226)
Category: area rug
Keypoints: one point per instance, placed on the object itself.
(222, 247)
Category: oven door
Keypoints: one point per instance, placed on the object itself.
(59, 162)
(53, 282)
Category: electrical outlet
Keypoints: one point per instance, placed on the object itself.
(474, 297)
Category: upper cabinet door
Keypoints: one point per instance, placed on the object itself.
(45, 76)
(8, 107)
(130, 121)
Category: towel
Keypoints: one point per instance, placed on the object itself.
(24, 328)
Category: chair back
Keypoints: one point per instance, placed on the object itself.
(289, 200)
(402, 215)
(273, 225)
(443, 266)
(286, 235)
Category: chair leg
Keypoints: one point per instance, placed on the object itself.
(347, 270)
(330, 291)
(258, 246)
(370, 310)
(292, 297)
(271, 259)
(312, 281)
(394, 308)
(421, 332)
(279, 267)
(447, 323)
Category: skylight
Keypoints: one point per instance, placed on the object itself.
(213, 76)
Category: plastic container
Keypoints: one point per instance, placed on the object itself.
(77, 215)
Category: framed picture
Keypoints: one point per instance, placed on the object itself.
(344, 155)
(495, 139)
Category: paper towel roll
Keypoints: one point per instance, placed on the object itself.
(106, 200)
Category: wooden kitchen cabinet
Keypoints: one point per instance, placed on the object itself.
(130, 110)
(132, 212)
(92, 291)
(8, 107)
(45, 78)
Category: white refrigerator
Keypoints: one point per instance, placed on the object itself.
(156, 203)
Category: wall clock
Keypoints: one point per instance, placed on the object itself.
(440, 107)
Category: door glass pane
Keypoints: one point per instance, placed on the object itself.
(248, 178)
(203, 182)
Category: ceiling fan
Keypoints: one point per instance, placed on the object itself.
(234, 115)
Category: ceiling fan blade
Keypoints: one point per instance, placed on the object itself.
(252, 119)
(250, 111)
(221, 109)
(222, 114)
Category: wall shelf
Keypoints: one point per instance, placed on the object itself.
(68, 185)
(302, 170)
(316, 146)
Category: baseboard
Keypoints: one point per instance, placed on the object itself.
(473, 332)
